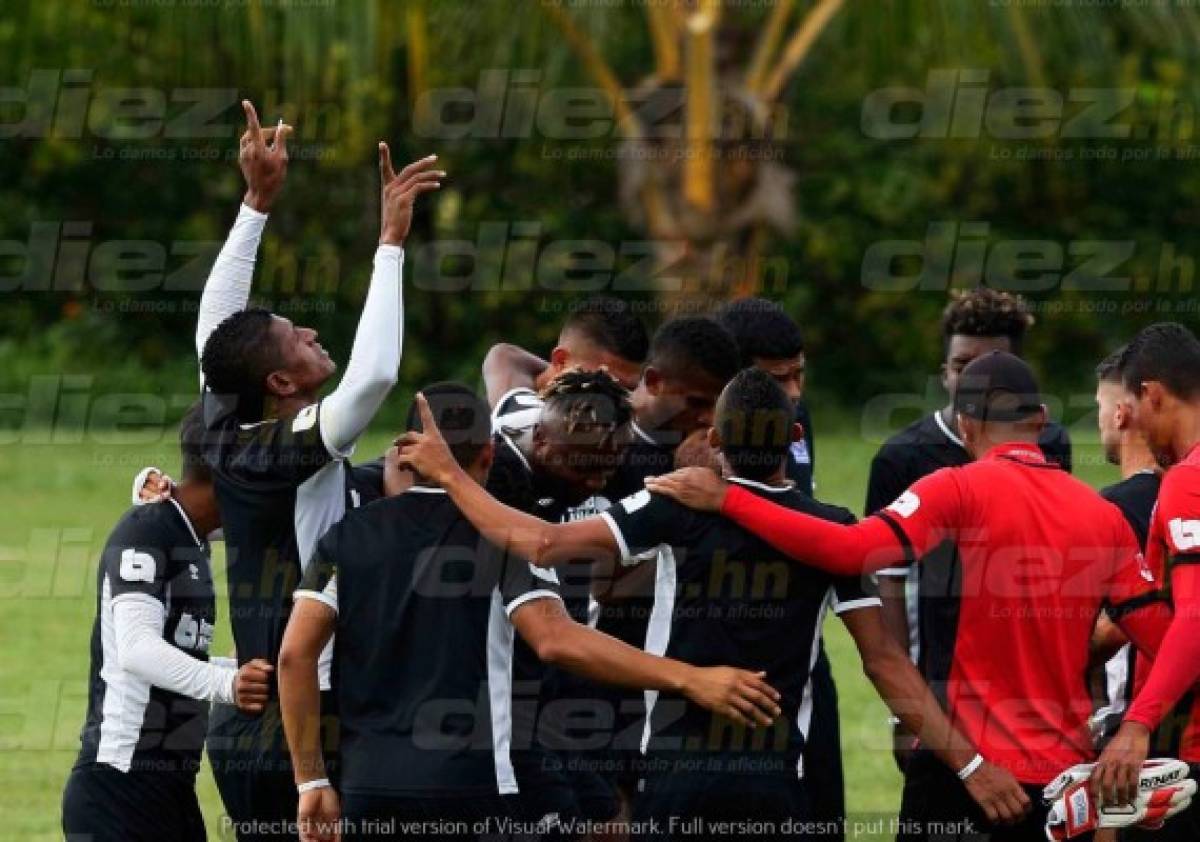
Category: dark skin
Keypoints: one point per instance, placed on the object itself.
(740, 695)
(789, 372)
(674, 404)
(508, 367)
(550, 544)
(579, 463)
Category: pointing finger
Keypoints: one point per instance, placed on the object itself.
(252, 125)
(386, 173)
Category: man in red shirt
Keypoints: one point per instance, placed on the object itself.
(1041, 554)
(1161, 369)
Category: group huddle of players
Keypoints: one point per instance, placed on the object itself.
(590, 605)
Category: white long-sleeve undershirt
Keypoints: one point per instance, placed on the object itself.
(138, 622)
(374, 359)
(228, 286)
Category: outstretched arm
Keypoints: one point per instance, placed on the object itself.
(837, 548)
(375, 358)
(740, 695)
(263, 158)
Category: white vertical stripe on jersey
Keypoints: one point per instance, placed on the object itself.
(125, 696)
(658, 630)
(805, 712)
(499, 666)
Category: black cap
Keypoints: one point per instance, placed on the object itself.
(997, 386)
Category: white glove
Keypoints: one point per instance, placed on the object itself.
(1164, 789)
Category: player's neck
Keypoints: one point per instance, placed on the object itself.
(277, 407)
(1135, 457)
(1187, 433)
(199, 503)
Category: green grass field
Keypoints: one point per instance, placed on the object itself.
(61, 495)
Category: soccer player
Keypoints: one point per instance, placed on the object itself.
(425, 612)
(600, 332)
(1161, 369)
(1134, 495)
(920, 601)
(151, 681)
(770, 339)
(733, 598)
(1041, 553)
(691, 358)
(277, 450)
(552, 465)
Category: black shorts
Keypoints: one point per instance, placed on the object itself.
(936, 807)
(371, 818)
(104, 804)
(691, 806)
(253, 770)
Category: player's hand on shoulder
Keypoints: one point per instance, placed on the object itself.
(399, 191)
(696, 488)
(252, 686)
(740, 695)
(319, 815)
(426, 452)
(1115, 778)
(998, 793)
(263, 158)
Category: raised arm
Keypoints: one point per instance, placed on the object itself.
(263, 158)
(375, 358)
(507, 367)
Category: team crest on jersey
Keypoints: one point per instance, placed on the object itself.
(906, 504)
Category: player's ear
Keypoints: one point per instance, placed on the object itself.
(797, 431)
(1153, 392)
(280, 384)
(653, 379)
(559, 358)
(486, 456)
(714, 438)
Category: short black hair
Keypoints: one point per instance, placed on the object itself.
(695, 342)
(462, 416)
(589, 398)
(1166, 352)
(237, 358)
(986, 312)
(754, 418)
(192, 433)
(1109, 370)
(611, 324)
(761, 329)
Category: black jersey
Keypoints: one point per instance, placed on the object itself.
(922, 448)
(1135, 497)
(424, 653)
(1113, 683)
(732, 599)
(802, 455)
(278, 488)
(153, 553)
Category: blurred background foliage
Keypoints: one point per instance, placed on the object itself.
(346, 74)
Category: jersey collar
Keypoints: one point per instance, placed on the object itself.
(187, 521)
(762, 486)
(642, 434)
(1018, 451)
(424, 489)
(946, 431)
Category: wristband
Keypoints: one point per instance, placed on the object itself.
(971, 768)
(308, 786)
